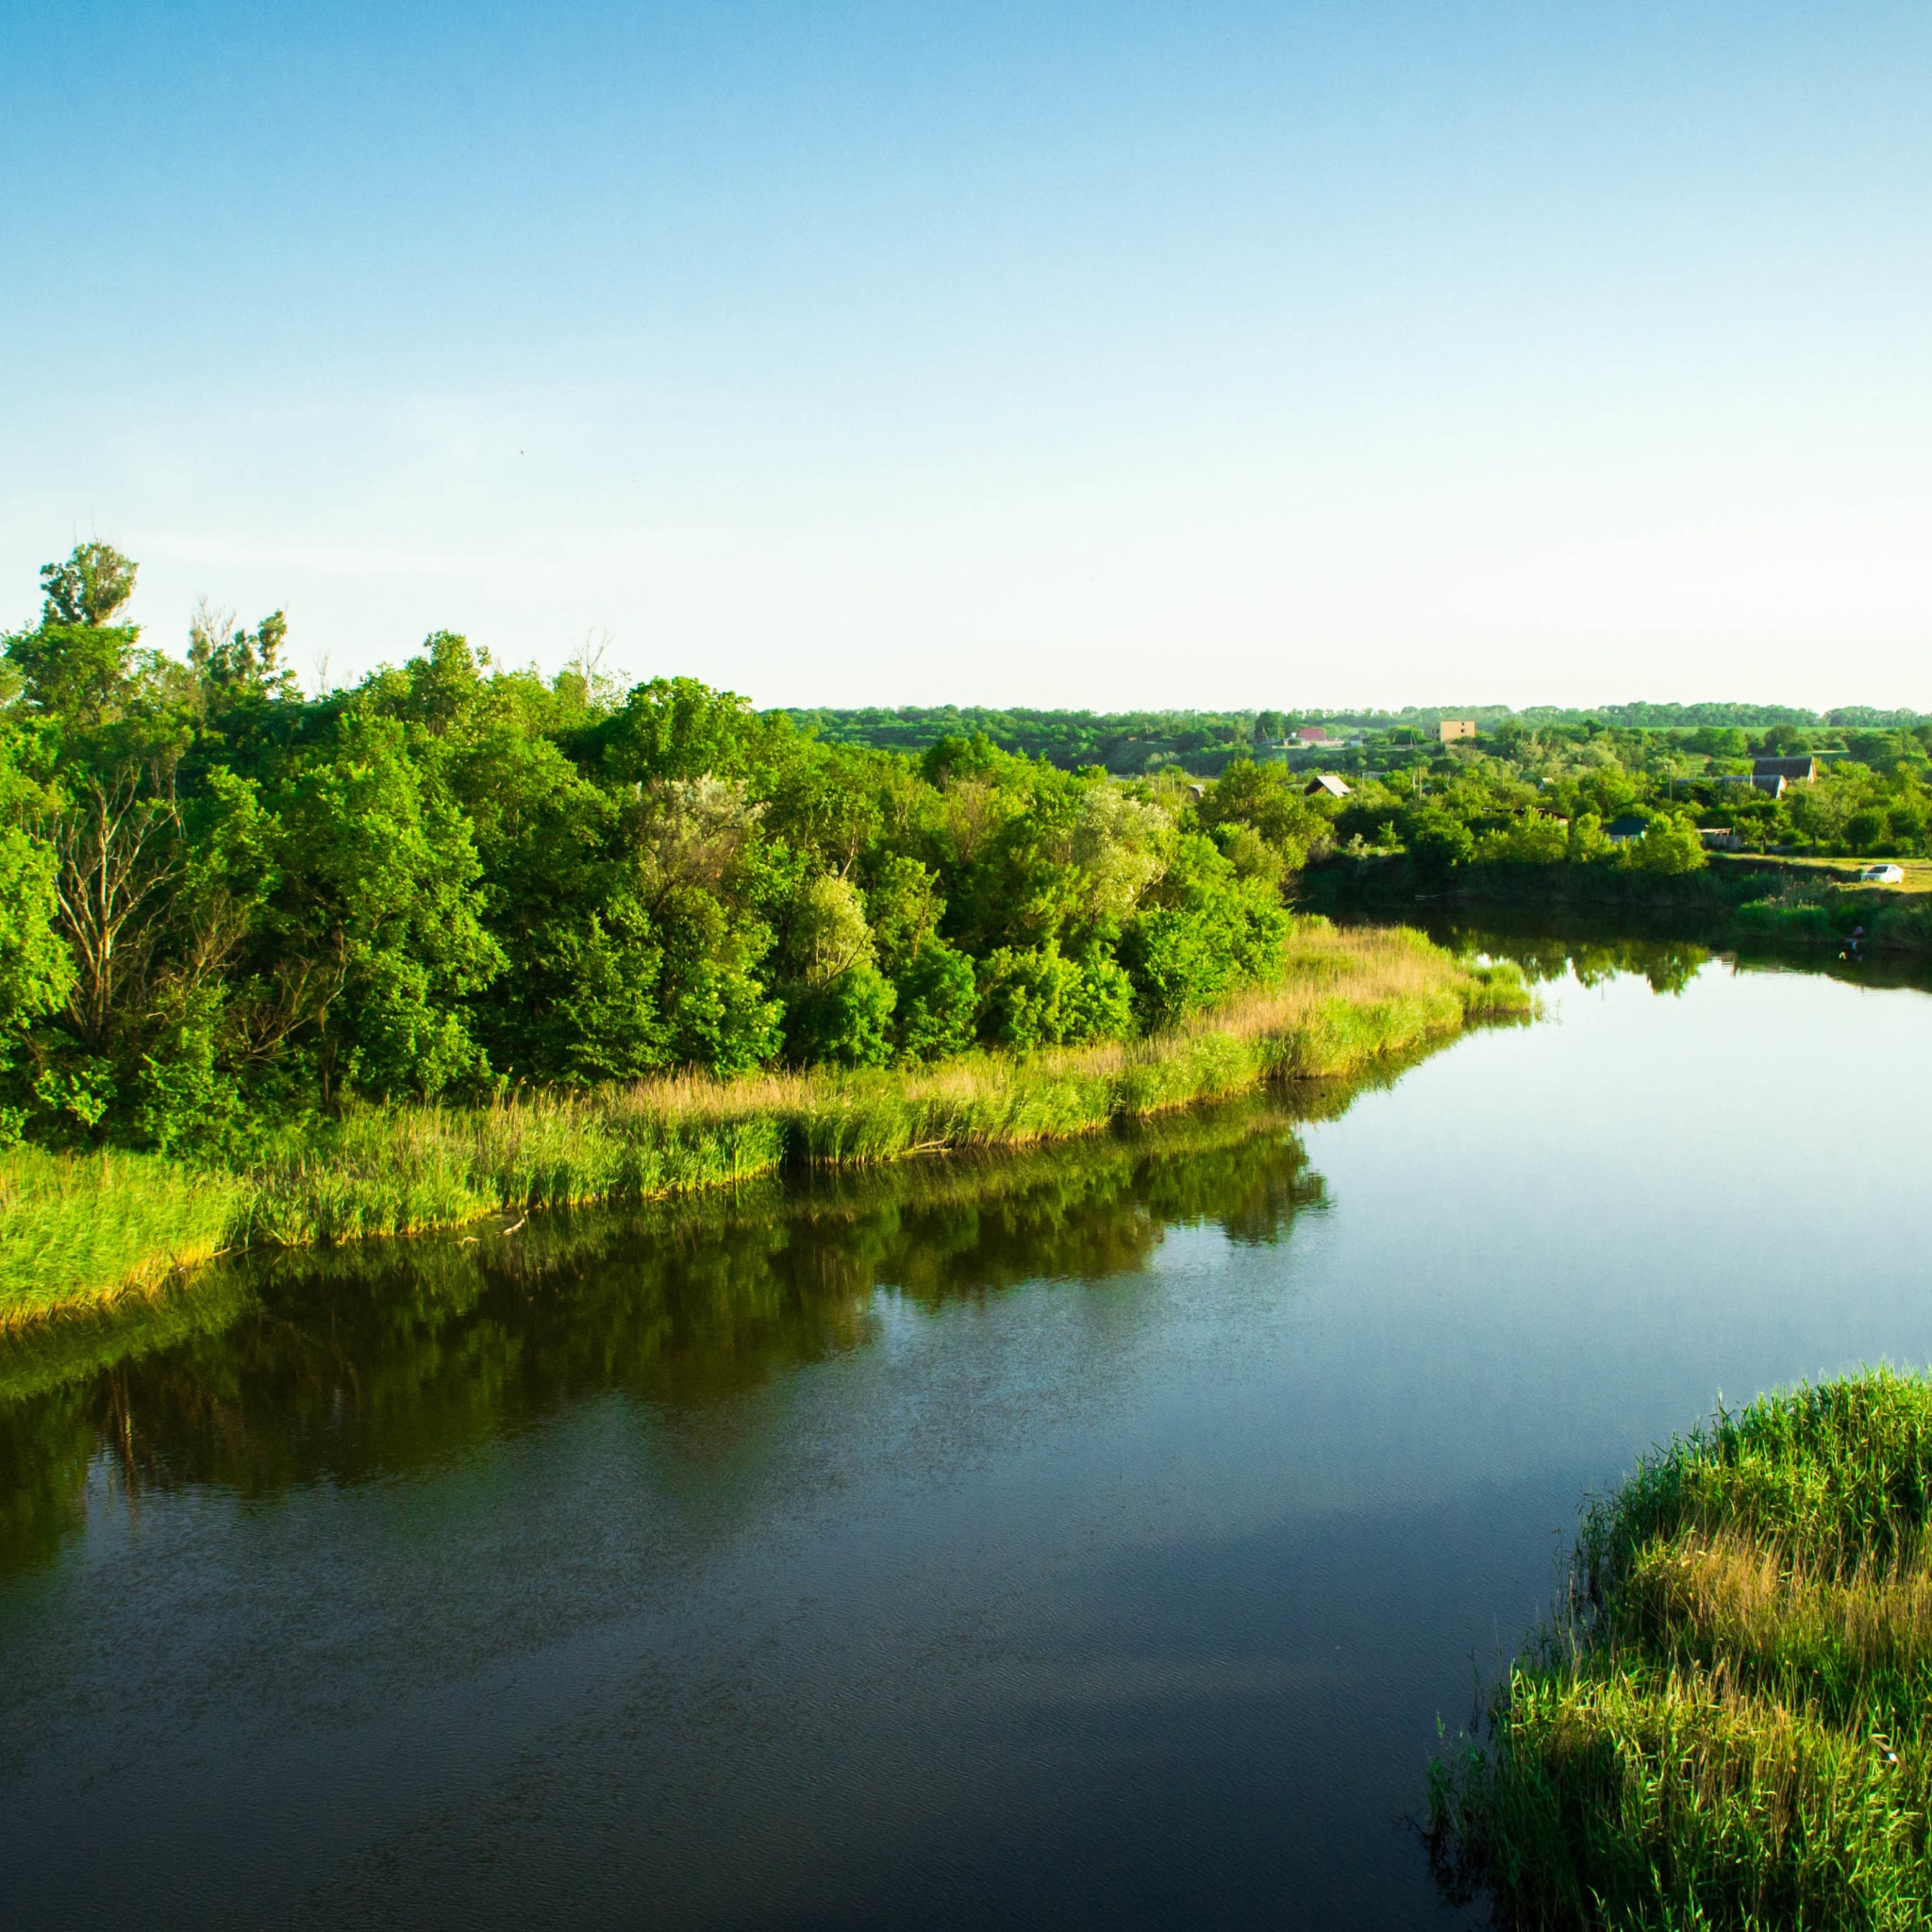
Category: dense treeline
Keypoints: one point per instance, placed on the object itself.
(223, 905)
(1552, 795)
(1126, 742)
(1201, 742)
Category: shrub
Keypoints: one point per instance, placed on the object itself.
(846, 1023)
(1671, 846)
(1026, 998)
(937, 1001)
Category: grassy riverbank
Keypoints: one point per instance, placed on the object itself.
(81, 1230)
(733, 1262)
(1731, 902)
(1731, 1726)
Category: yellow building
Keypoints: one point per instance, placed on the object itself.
(1450, 730)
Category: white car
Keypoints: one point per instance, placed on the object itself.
(1884, 875)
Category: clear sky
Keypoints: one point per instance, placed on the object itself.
(1027, 354)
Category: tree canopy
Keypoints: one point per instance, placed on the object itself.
(224, 904)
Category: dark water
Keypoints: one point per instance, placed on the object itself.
(1090, 1539)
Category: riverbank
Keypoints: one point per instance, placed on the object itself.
(699, 1270)
(1731, 1726)
(1731, 901)
(81, 1231)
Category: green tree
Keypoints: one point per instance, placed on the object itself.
(1269, 799)
(1865, 828)
(1437, 840)
(74, 665)
(90, 588)
(36, 968)
(237, 662)
(380, 871)
(1671, 845)
(935, 1003)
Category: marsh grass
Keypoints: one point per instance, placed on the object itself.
(1731, 1724)
(1347, 1002)
(70, 1225)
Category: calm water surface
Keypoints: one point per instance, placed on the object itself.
(1091, 1539)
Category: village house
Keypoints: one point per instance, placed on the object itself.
(1792, 771)
(1328, 782)
(1625, 831)
(1450, 730)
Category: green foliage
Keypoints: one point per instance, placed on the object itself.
(225, 910)
(1670, 847)
(235, 661)
(937, 1004)
(1268, 800)
(1027, 999)
(1127, 744)
(1533, 839)
(36, 969)
(1207, 931)
(904, 910)
(1437, 840)
(377, 865)
(95, 582)
(846, 1022)
(186, 1104)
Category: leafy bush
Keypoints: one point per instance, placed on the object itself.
(846, 1023)
(1027, 998)
(937, 1000)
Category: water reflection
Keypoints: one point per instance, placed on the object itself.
(787, 1559)
(1595, 951)
(1667, 965)
(279, 1372)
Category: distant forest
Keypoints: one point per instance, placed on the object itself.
(1201, 742)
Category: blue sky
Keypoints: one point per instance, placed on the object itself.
(1210, 355)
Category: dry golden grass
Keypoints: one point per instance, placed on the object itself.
(1751, 1601)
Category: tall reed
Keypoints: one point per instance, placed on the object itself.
(1345, 1001)
(75, 1227)
(1731, 1722)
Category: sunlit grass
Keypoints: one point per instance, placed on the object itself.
(1345, 1001)
(73, 1225)
(1732, 1724)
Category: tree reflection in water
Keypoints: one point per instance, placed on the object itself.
(270, 1373)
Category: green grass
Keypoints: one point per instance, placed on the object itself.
(1730, 1726)
(1793, 922)
(76, 1233)
(73, 1225)
(1109, 1192)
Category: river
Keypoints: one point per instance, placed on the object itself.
(1087, 1539)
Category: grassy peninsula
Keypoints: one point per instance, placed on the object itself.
(81, 1229)
(1730, 1726)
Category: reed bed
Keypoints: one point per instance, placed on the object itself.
(1730, 1726)
(1345, 1001)
(71, 1225)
